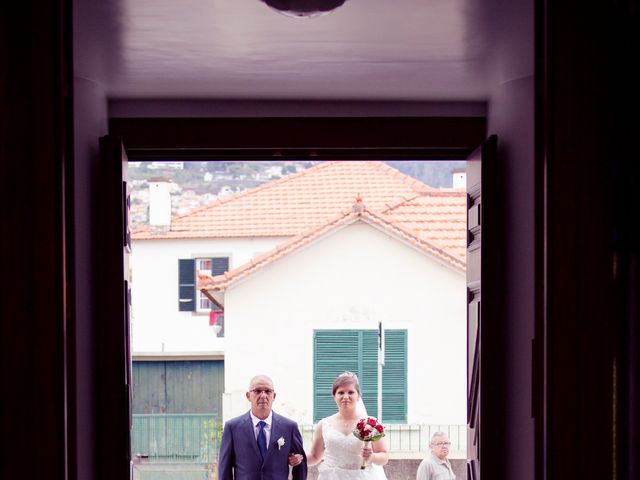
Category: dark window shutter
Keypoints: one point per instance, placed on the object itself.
(186, 285)
(219, 265)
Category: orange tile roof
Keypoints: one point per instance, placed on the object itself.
(440, 217)
(295, 203)
(207, 283)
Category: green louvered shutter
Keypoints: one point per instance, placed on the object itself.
(369, 371)
(334, 351)
(357, 350)
(394, 377)
(186, 285)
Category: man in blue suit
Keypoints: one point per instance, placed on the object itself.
(257, 445)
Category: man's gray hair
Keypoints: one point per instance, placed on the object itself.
(437, 435)
(259, 377)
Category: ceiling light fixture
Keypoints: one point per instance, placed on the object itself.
(304, 8)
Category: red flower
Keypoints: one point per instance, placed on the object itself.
(368, 429)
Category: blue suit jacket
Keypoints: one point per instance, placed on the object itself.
(240, 459)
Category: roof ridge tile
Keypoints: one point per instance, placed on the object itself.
(220, 282)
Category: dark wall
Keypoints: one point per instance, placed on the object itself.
(511, 116)
(589, 104)
(35, 149)
(89, 124)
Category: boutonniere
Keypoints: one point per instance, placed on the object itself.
(280, 442)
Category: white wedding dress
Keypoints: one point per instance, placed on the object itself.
(342, 457)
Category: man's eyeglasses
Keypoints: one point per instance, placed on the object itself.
(259, 391)
(442, 444)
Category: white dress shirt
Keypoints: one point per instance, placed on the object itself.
(267, 427)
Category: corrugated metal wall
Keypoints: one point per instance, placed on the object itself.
(194, 386)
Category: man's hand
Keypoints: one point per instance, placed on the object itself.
(295, 459)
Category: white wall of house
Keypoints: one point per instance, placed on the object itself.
(349, 279)
(156, 323)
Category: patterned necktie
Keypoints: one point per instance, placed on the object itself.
(262, 439)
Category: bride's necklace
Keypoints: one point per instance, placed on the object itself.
(347, 422)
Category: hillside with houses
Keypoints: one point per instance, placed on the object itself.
(193, 184)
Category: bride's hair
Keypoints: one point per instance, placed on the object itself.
(345, 378)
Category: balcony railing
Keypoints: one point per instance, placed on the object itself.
(411, 440)
(195, 438)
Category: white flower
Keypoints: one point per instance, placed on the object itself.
(280, 442)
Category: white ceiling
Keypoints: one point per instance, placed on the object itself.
(418, 50)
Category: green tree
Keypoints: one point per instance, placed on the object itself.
(210, 445)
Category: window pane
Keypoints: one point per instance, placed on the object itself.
(203, 303)
(204, 264)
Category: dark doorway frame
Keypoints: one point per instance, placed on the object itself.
(343, 138)
(322, 138)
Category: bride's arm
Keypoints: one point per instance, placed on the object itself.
(317, 447)
(379, 455)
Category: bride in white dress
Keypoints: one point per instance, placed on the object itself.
(337, 452)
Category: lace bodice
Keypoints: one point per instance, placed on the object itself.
(342, 457)
(341, 450)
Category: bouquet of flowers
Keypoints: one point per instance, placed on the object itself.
(368, 430)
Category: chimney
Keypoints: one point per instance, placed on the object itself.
(459, 178)
(159, 205)
(358, 207)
